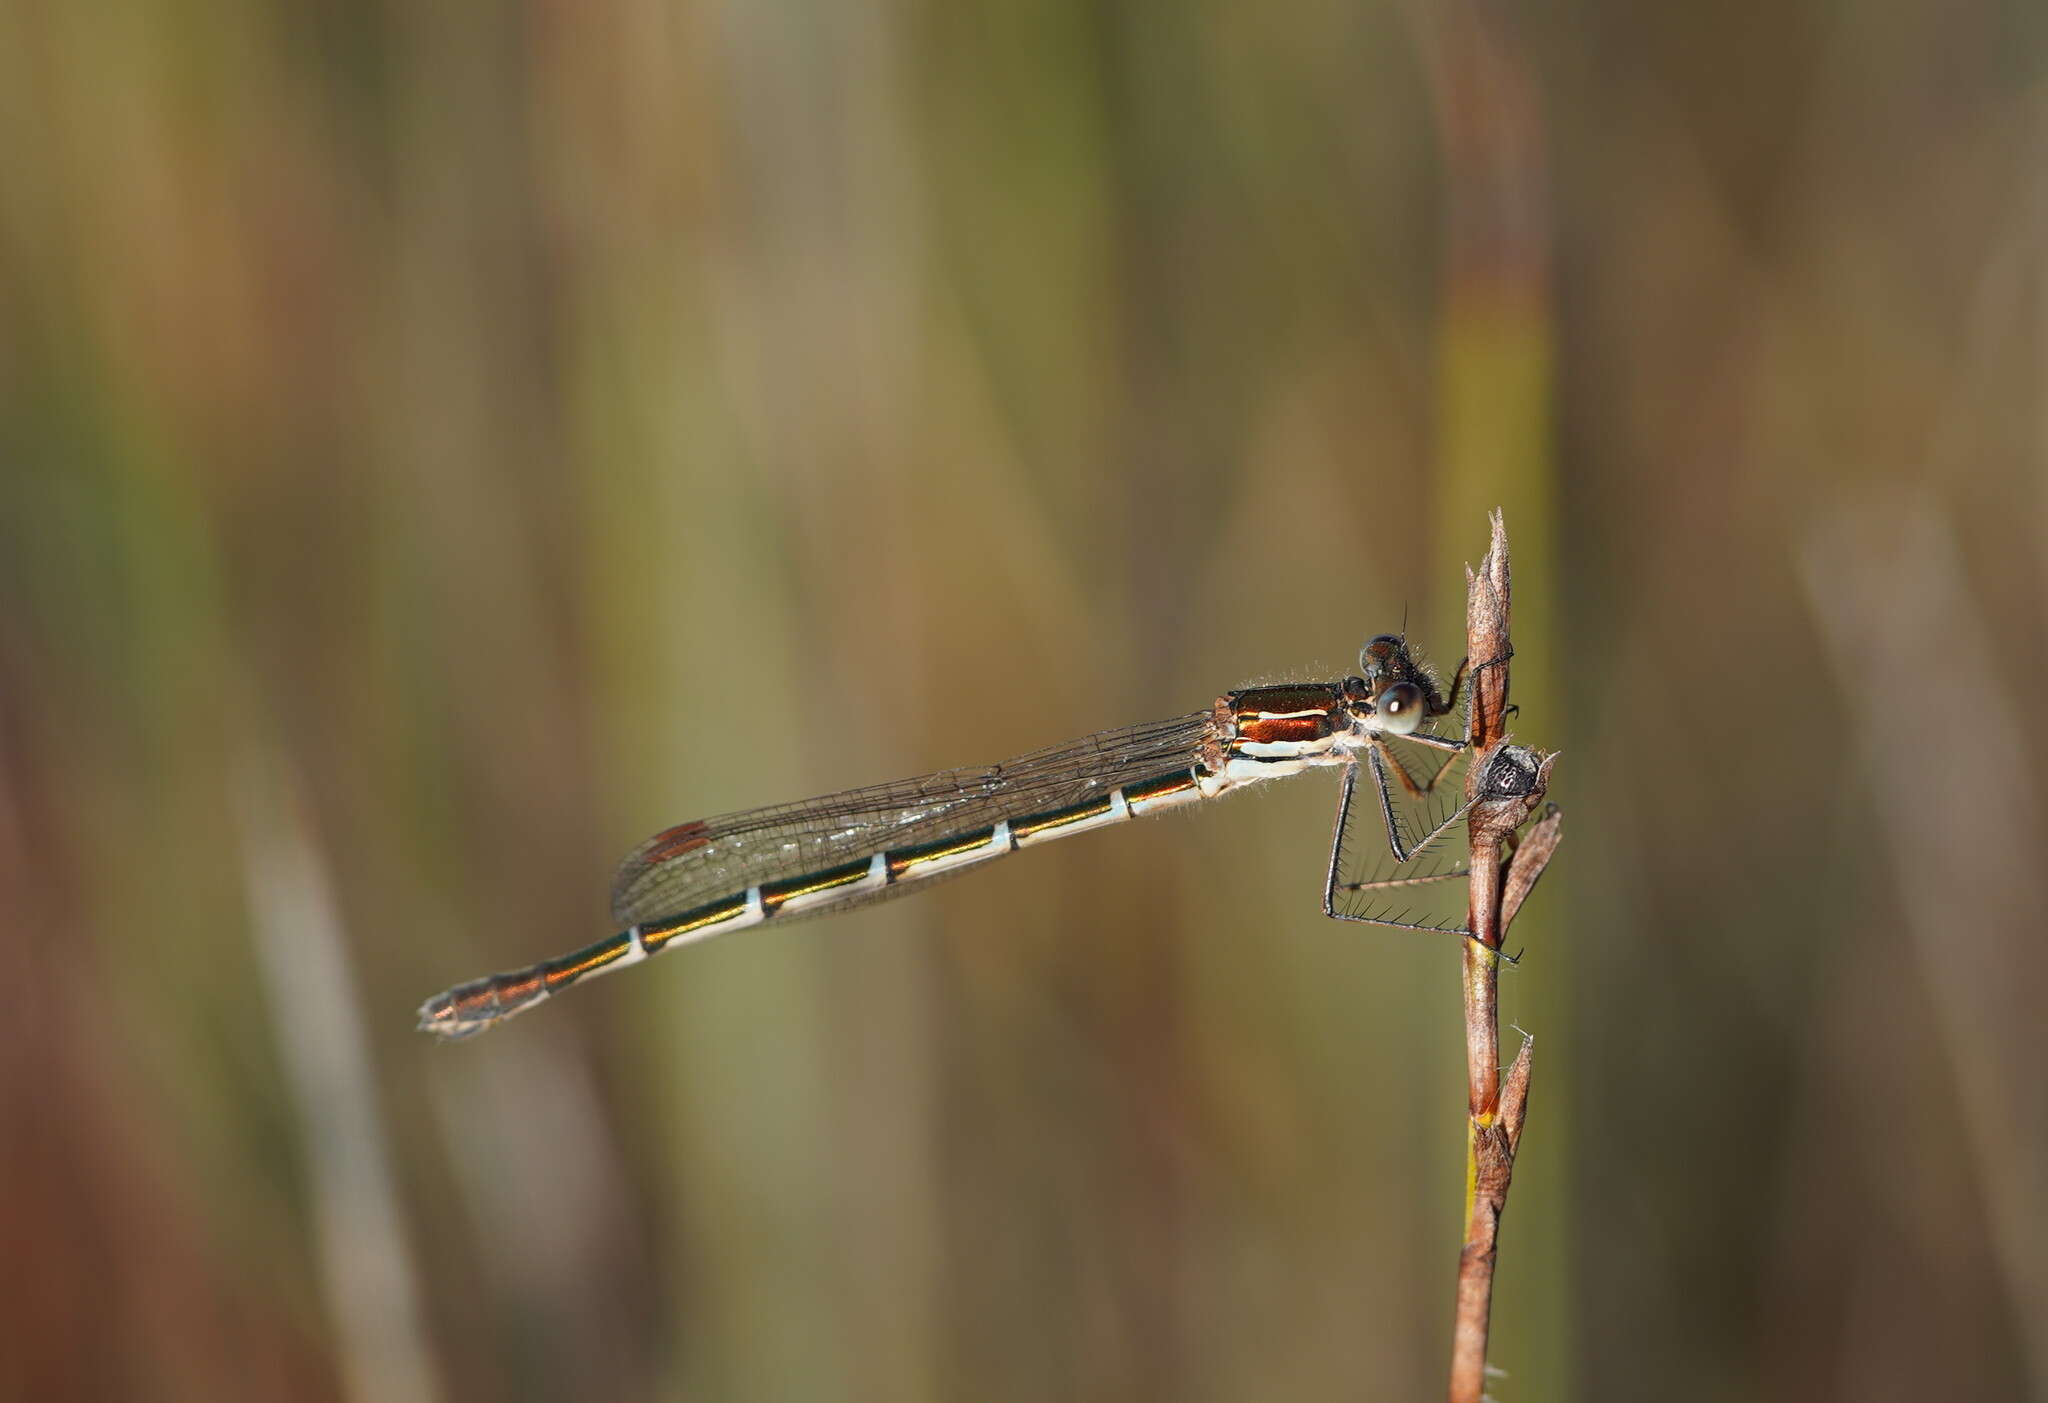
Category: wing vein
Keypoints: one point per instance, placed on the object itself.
(690, 863)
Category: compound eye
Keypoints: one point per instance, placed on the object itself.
(1400, 708)
(1373, 657)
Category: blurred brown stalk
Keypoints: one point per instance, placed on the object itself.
(1503, 786)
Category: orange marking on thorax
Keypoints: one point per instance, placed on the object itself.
(1270, 730)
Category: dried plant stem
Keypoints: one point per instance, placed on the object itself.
(1504, 785)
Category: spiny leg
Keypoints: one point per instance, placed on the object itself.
(1379, 755)
(1415, 791)
(1425, 738)
(1331, 886)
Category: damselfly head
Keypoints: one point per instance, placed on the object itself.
(1396, 694)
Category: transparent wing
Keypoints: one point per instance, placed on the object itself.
(691, 863)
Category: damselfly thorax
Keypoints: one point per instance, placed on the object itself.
(714, 875)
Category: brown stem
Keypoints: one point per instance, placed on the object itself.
(1505, 784)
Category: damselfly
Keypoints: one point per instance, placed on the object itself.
(815, 856)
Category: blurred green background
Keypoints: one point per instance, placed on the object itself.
(441, 444)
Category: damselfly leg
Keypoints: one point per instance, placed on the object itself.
(1403, 696)
(1394, 891)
